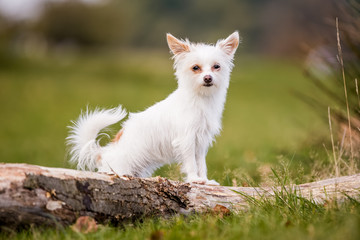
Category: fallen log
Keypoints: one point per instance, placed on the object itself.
(35, 195)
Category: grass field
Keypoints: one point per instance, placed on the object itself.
(264, 126)
(262, 119)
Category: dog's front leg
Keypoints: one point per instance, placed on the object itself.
(189, 167)
(201, 164)
(185, 150)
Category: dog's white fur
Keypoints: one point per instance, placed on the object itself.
(179, 128)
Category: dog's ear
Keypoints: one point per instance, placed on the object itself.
(177, 46)
(230, 44)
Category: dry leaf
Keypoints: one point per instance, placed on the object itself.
(221, 210)
(157, 235)
(85, 224)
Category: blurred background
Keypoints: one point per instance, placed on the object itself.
(282, 28)
(59, 56)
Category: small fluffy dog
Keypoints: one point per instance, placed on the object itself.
(178, 129)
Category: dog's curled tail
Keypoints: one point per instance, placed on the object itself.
(84, 146)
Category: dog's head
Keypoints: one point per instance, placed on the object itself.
(201, 67)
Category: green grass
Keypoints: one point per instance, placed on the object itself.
(264, 126)
(39, 97)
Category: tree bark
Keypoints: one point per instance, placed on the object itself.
(35, 195)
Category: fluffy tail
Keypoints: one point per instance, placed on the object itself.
(84, 148)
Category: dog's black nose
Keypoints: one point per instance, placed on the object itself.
(207, 79)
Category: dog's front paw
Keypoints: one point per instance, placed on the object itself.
(212, 182)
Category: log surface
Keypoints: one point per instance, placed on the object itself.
(35, 195)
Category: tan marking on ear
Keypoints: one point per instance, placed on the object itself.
(118, 136)
(230, 44)
(177, 46)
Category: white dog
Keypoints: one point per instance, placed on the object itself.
(178, 129)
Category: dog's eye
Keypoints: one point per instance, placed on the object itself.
(196, 68)
(216, 66)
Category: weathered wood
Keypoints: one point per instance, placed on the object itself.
(38, 195)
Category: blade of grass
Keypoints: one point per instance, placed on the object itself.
(340, 58)
(333, 145)
(357, 91)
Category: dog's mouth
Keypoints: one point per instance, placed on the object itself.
(207, 84)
